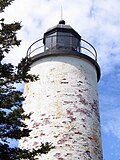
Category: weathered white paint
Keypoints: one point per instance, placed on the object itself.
(64, 103)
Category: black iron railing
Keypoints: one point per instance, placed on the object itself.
(62, 42)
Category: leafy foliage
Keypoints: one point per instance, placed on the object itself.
(18, 154)
(4, 3)
(11, 112)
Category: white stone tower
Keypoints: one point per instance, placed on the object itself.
(64, 101)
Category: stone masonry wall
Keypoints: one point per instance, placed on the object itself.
(64, 106)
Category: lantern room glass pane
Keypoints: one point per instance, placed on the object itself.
(50, 41)
(76, 44)
(64, 40)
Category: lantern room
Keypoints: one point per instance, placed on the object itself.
(62, 37)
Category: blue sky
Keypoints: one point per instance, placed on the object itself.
(98, 22)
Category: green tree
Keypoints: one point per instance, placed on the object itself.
(11, 112)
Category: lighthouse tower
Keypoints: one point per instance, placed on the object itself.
(64, 101)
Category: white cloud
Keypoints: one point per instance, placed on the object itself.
(95, 20)
(111, 122)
